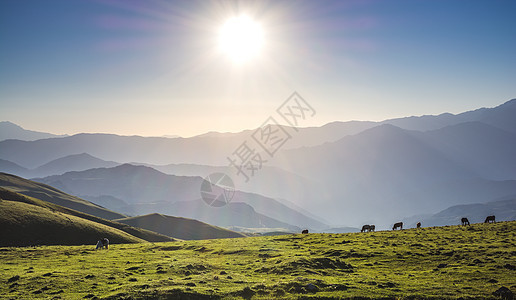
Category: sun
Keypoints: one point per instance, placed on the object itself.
(241, 39)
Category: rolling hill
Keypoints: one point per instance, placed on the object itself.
(181, 228)
(147, 191)
(27, 221)
(53, 195)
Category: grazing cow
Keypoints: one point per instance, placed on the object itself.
(102, 243)
(372, 228)
(418, 225)
(304, 231)
(464, 221)
(490, 219)
(398, 225)
(366, 228)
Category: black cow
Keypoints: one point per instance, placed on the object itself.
(372, 228)
(304, 231)
(418, 225)
(464, 221)
(490, 219)
(398, 225)
(366, 228)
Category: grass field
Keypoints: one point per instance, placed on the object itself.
(430, 263)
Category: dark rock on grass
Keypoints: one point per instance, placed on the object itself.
(47, 274)
(133, 279)
(492, 280)
(246, 293)
(223, 273)
(440, 266)
(132, 268)
(504, 293)
(190, 284)
(89, 296)
(161, 272)
(510, 267)
(90, 276)
(13, 279)
(312, 288)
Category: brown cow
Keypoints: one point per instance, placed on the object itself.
(398, 225)
(418, 225)
(304, 231)
(490, 219)
(464, 221)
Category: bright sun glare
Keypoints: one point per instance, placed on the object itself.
(241, 39)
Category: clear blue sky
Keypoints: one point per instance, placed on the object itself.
(152, 67)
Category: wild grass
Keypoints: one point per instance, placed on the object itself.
(468, 262)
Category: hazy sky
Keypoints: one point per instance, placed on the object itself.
(154, 67)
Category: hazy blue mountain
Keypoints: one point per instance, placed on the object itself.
(74, 162)
(269, 181)
(504, 210)
(214, 148)
(488, 151)
(386, 173)
(146, 191)
(12, 168)
(502, 116)
(10, 130)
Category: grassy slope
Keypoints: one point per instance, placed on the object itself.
(136, 232)
(182, 228)
(53, 195)
(437, 263)
(26, 224)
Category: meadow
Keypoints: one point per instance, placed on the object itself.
(452, 262)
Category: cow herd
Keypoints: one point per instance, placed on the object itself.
(489, 219)
(399, 225)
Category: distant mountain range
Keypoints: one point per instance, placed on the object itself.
(74, 162)
(348, 173)
(10, 130)
(138, 190)
(386, 172)
(503, 210)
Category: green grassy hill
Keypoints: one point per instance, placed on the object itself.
(25, 224)
(453, 262)
(53, 195)
(29, 221)
(182, 228)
